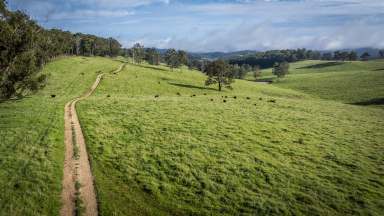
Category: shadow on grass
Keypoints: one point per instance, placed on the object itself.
(375, 101)
(322, 65)
(15, 99)
(151, 67)
(120, 61)
(380, 69)
(268, 80)
(191, 86)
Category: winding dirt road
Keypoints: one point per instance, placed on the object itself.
(77, 169)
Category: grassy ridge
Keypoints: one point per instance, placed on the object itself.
(31, 138)
(184, 154)
(349, 82)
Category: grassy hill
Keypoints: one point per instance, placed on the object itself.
(350, 82)
(182, 154)
(32, 138)
(187, 152)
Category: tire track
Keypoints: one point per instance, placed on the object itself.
(78, 187)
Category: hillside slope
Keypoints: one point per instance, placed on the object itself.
(32, 138)
(162, 143)
(350, 82)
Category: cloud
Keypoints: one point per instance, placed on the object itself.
(89, 14)
(220, 25)
(119, 3)
(265, 37)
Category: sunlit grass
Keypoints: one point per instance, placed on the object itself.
(349, 82)
(183, 154)
(31, 138)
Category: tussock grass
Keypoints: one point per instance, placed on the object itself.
(32, 138)
(291, 154)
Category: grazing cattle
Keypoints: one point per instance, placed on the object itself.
(53, 96)
(156, 96)
(211, 99)
(178, 93)
(234, 97)
(272, 101)
(248, 98)
(225, 101)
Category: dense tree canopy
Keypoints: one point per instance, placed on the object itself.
(267, 59)
(381, 53)
(219, 72)
(172, 59)
(365, 56)
(138, 53)
(25, 47)
(21, 53)
(280, 69)
(152, 56)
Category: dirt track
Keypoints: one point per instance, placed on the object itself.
(76, 163)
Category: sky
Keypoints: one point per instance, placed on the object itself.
(218, 25)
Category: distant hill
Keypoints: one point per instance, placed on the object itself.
(374, 52)
(223, 55)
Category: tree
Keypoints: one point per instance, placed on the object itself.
(183, 57)
(21, 56)
(153, 56)
(365, 56)
(381, 53)
(138, 53)
(25, 47)
(256, 72)
(327, 56)
(219, 72)
(280, 69)
(114, 47)
(352, 56)
(337, 55)
(172, 59)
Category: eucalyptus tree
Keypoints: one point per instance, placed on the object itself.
(138, 53)
(219, 72)
(152, 56)
(280, 69)
(172, 59)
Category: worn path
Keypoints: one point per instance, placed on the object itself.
(78, 189)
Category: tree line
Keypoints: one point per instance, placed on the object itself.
(25, 47)
(268, 59)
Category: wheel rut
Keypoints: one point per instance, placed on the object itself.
(78, 191)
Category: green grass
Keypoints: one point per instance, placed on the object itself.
(349, 82)
(189, 155)
(185, 155)
(31, 138)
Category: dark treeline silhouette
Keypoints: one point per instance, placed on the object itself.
(25, 47)
(269, 58)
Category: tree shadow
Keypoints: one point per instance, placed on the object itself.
(265, 80)
(322, 65)
(374, 101)
(191, 86)
(151, 67)
(380, 69)
(15, 99)
(118, 60)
